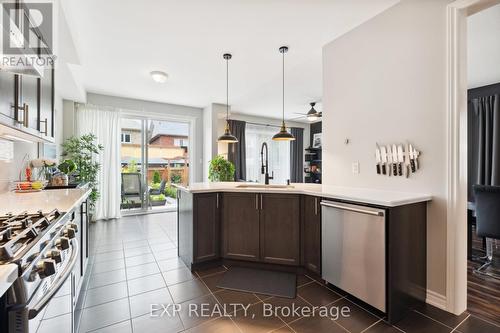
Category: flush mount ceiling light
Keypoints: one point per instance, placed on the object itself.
(227, 136)
(283, 134)
(159, 76)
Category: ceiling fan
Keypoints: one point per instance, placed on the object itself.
(311, 115)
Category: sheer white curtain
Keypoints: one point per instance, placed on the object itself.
(279, 154)
(105, 124)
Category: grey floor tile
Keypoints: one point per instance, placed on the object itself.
(135, 244)
(143, 284)
(146, 302)
(61, 324)
(178, 275)
(102, 279)
(106, 266)
(136, 251)
(139, 260)
(142, 270)
(163, 246)
(100, 257)
(123, 327)
(170, 264)
(185, 291)
(165, 254)
(58, 306)
(104, 315)
(106, 294)
(164, 324)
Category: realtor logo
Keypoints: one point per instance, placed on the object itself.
(27, 32)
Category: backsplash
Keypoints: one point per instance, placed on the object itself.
(9, 170)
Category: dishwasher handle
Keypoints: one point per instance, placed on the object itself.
(353, 208)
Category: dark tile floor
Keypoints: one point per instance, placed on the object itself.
(135, 265)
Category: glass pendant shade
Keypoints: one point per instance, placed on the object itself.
(227, 137)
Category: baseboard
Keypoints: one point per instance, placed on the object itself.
(435, 299)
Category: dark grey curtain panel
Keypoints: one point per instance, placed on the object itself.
(236, 152)
(486, 132)
(297, 155)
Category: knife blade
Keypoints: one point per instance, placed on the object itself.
(394, 160)
(378, 158)
(383, 153)
(400, 160)
(389, 160)
(412, 159)
(416, 153)
(407, 160)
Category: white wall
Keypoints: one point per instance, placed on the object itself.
(162, 109)
(211, 115)
(483, 47)
(385, 82)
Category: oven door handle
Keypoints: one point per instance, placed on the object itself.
(35, 310)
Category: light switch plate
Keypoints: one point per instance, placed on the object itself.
(355, 168)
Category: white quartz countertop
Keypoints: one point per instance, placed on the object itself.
(47, 200)
(354, 194)
(8, 274)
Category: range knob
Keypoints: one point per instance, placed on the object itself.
(54, 255)
(62, 243)
(74, 226)
(46, 267)
(69, 232)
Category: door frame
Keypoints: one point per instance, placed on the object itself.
(456, 220)
(144, 117)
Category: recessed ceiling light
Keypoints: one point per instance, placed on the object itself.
(159, 76)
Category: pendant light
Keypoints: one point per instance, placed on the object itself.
(227, 136)
(283, 134)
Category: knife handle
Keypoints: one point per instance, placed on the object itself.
(384, 170)
(412, 164)
(378, 169)
(395, 169)
(400, 169)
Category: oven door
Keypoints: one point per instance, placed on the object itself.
(51, 307)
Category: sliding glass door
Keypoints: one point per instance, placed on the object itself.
(154, 156)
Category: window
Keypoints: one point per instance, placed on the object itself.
(279, 154)
(180, 142)
(125, 138)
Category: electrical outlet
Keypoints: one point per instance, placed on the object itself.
(355, 168)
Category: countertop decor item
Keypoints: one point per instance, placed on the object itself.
(283, 134)
(227, 137)
(221, 170)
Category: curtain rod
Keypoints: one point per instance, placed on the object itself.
(267, 125)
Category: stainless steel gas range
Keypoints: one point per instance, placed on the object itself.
(50, 252)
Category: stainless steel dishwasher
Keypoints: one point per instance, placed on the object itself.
(353, 250)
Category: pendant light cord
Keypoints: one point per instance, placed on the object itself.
(227, 89)
(283, 119)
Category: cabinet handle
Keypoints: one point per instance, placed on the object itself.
(261, 208)
(45, 122)
(257, 202)
(315, 205)
(26, 115)
(217, 200)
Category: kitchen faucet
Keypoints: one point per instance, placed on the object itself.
(264, 169)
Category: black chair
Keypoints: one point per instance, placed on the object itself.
(487, 221)
(159, 190)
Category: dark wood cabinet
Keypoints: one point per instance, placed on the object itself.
(280, 229)
(311, 233)
(241, 230)
(207, 227)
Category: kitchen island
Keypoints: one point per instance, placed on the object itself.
(370, 243)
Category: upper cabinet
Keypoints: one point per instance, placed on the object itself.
(7, 94)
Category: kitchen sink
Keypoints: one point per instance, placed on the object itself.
(264, 186)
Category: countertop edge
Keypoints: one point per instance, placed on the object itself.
(8, 274)
(390, 204)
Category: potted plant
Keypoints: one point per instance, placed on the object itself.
(82, 151)
(221, 170)
(158, 199)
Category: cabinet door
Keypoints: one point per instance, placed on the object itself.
(241, 226)
(7, 93)
(312, 233)
(207, 226)
(28, 92)
(279, 234)
(46, 121)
